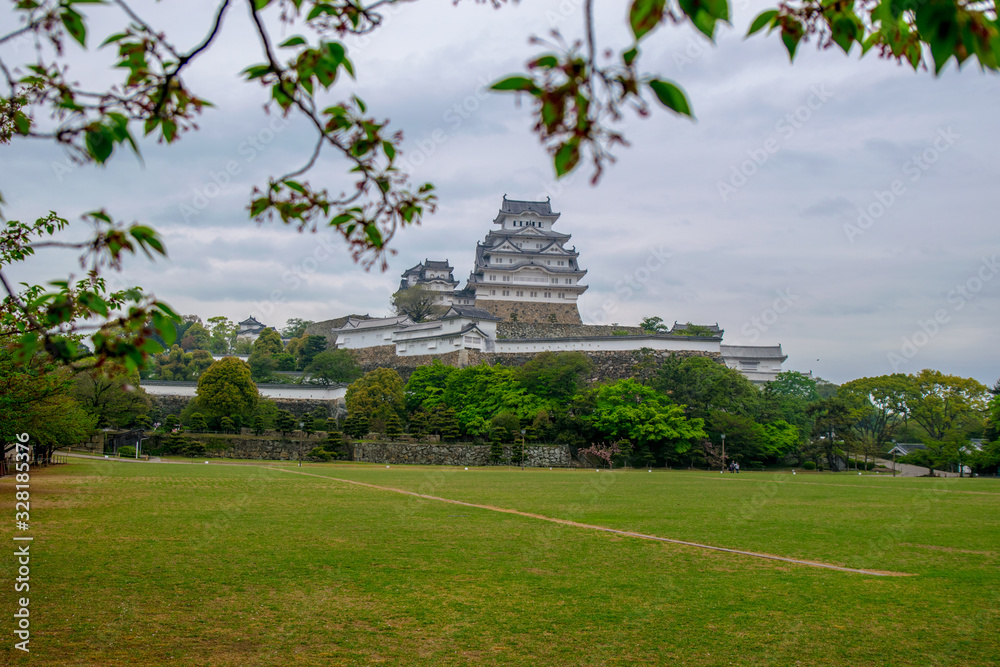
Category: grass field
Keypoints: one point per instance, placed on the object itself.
(154, 564)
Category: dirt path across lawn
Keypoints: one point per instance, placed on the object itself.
(874, 573)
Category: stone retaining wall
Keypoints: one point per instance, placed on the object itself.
(549, 330)
(522, 311)
(535, 456)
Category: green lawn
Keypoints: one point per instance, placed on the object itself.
(151, 564)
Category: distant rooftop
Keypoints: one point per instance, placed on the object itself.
(752, 352)
(520, 206)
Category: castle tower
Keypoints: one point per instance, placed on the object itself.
(523, 271)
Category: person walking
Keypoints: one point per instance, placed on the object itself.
(737, 468)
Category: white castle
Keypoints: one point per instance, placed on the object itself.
(524, 273)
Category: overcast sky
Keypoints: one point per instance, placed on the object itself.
(676, 228)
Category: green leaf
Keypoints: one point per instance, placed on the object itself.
(374, 235)
(99, 143)
(762, 20)
(295, 185)
(389, 149)
(74, 25)
(164, 327)
(515, 83)
(644, 15)
(567, 157)
(629, 56)
(671, 96)
(22, 123)
(293, 41)
(547, 62)
(791, 38)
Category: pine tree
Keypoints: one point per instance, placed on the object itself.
(419, 424)
(307, 424)
(496, 447)
(447, 424)
(393, 427)
(285, 422)
(198, 423)
(258, 424)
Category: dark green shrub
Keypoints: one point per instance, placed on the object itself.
(808, 465)
(319, 454)
(126, 452)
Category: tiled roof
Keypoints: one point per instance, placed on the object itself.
(471, 312)
(375, 323)
(520, 206)
(752, 352)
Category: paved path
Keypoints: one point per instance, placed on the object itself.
(909, 470)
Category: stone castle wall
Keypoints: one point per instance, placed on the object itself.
(607, 365)
(523, 311)
(535, 456)
(549, 330)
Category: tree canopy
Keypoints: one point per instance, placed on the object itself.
(227, 389)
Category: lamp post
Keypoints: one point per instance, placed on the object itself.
(723, 452)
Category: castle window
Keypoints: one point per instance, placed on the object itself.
(569, 281)
(548, 263)
(534, 294)
(562, 263)
(561, 294)
(520, 293)
(493, 292)
(548, 295)
(493, 276)
(506, 292)
(555, 280)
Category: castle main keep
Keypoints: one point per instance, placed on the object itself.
(522, 272)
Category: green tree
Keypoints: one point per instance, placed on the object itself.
(878, 408)
(35, 398)
(628, 411)
(308, 425)
(507, 425)
(356, 425)
(227, 389)
(227, 425)
(393, 427)
(943, 403)
(375, 396)
(333, 366)
(258, 425)
(556, 376)
(418, 303)
(654, 325)
(311, 347)
(111, 395)
(704, 385)
(295, 327)
(198, 423)
(426, 385)
(223, 332)
(196, 337)
(285, 423)
(419, 424)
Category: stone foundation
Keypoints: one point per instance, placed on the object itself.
(399, 453)
(531, 312)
